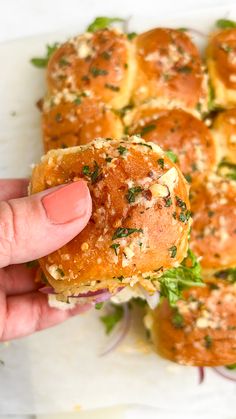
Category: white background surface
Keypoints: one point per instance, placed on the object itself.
(19, 18)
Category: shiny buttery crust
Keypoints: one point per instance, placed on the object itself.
(200, 330)
(213, 234)
(224, 132)
(221, 63)
(70, 119)
(179, 131)
(102, 62)
(112, 167)
(169, 69)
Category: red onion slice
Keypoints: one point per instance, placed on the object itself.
(201, 371)
(225, 373)
(121, 333)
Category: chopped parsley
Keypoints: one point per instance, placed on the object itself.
(207, 341)
(231, 367)
(94, 175)
(77, 101)
(185, 69)
(122, 150)
(111, 319)
(225, 24)
(58, 117)
(168, 202)
(63, 62)
(184, 216)
(131, 35)
(226, 48)
(61, 272)
(177, 319)
(106, 55)
(95, 71)
(147, 129)
(175, 280)
(102, 22)
(98, 306)
(132, 193)
(161, 163)
(115, 247)
(173, 251)
(180, 203)
(228, 274)
(112, 87)
(211, 97)
(172, 156)
(188, 177)
(124, 232)
(42, 62)
(227, 169)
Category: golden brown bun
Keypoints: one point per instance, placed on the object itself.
(224, 132)
(213, 205)
(181, 132)
(201, 329)
(71, 119)
(221, 62)
(111, 168)
(169, 69)
(102, 62)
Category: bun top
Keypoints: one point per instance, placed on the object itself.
(200, 330)
(75, 118)
(221, 50)
(140, 220)
(170, 69)
(180, 132)
(101, 62)
(213, 237)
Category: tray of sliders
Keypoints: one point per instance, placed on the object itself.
(148, 120)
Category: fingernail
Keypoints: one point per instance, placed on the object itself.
(67, 203)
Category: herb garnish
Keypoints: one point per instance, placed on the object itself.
(225, 24)
(60, 271)
(124, 232)
(207, 341)
(231, 367)
(131, 35)
(115, 247)
(175, 280)
(227, 169)
(168, 202)
(122, 150)
(228, 274)
(111, 319)
(95, 71)
(173, 251)
(185, 69)
(112, 87)
(172, 156)
(41, 62)
(147, 129)
(98, 306)
(161, 163)
(94, 175)
(102, 22)
(132, 193)
(177, 319)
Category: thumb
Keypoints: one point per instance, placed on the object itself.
(35, 226)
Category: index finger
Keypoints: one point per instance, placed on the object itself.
(13, 188)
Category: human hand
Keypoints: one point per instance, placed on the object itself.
(32, 227)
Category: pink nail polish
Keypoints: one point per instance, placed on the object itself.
(67, 203)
